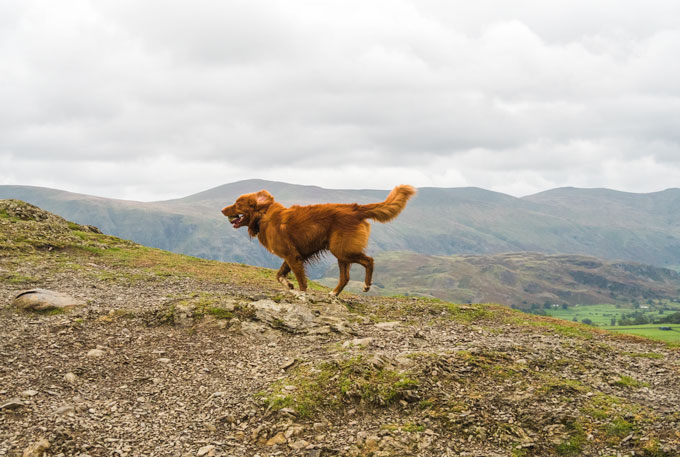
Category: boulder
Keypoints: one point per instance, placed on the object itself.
(45, 300)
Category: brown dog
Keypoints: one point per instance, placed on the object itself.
(300, 233)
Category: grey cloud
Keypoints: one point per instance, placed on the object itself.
(264, 86)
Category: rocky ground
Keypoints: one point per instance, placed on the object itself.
(174, 356)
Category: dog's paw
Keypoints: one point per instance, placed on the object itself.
(332, 293)
(367, 287)
(286, 283)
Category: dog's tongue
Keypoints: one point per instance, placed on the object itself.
(235, 221)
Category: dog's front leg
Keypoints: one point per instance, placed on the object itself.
(282, 276)
(297, 265)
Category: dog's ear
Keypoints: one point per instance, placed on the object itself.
(263, 199)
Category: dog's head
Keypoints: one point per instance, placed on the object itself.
(248, 210)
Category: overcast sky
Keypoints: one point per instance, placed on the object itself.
(156, 99)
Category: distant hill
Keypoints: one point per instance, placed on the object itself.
(438, 221)
(519, 279)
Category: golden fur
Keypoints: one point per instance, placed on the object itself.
(300, 233)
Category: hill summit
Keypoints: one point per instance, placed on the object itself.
(174, 355)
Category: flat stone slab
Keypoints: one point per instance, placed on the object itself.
(45, 300)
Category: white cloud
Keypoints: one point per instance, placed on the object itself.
(513, 97)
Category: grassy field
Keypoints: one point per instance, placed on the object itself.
(651, 331)
(601, 315)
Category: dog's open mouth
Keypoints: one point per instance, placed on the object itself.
(237, 221)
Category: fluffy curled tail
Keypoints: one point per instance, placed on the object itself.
(391, 207)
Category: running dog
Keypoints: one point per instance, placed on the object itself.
(300, 233)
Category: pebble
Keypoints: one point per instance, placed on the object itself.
(95, 353)
(163, 360)
(66, 409)
(299, 445)
(279, 438)
(287, 363)
(371, 442)
(37, 449)
(205, 450)
(365, 342)
(293, 431)
(29, 393)
(388, 325)
(71, 378)
(12, 403)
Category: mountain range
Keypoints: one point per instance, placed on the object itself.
(604, 223)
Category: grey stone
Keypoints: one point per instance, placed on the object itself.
(388, 325)
(12, 403)
(45, 300)
(363, 342)
(206, 450)
(37, 449)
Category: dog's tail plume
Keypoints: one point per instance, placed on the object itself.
(391, 207)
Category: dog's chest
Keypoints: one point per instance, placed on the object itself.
(272, 236)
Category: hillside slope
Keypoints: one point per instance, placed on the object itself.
(521, 279)
(598, 222)
(173, 355)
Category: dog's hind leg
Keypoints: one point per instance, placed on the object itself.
(282, 276)
(367, 263)
(344, 277)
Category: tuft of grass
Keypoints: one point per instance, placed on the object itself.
(467, 313)
(17, 278)
(50, 312)
(310, 389)
(646, 355)
(572, 446)
(627, 381)
(219, 313)
(619, 427)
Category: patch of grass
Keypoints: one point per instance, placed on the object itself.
(219, 313)
(310, 389)
(278, 298)
(627, 381)
(50, 312)
(467, 313)
(619, 427)
(573, 445)
(601, 314)
(652, 331)
(519, 452)
(17, 278)
(562, 385)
